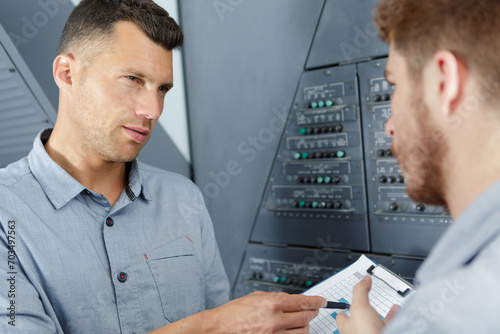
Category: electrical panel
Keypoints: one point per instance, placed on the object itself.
(294, 270)
(336, 186)
(317, 185)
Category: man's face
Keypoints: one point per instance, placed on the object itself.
(119, 97)
(419, 146)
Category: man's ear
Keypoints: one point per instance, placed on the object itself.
(63, 70)
(444, 82)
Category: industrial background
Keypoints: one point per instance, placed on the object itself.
(277, 114)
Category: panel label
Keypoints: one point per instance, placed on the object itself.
(323, 141)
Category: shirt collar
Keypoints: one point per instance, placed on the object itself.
(59, 186)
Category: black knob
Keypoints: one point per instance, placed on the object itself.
(388, 152)
(386, 97)
(381, 153)
(400, 179)
(420, 207)
(339, 128)
(337, 205)
(393, 206)
(382, 179)
(392, 179)
(377, 98)
(336, 179)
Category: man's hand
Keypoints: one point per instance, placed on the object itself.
(364, 319)
(262, 312)
(259, 312)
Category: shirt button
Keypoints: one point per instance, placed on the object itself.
(122, 277)
(110, 222)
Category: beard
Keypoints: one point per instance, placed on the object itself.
(422, 158)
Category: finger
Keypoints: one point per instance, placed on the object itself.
(360, 292)
(394, 309)
(342, 321)
(298, 319)
(302, 330)
(294, 303)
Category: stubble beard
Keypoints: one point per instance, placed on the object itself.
(422, 159)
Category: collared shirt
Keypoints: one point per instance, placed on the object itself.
(458, 288)
(70, 262)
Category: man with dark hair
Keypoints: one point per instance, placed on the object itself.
(445, 124)
(96, 242)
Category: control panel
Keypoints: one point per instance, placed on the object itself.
(336, 186)
(317, 185)
(294, 270)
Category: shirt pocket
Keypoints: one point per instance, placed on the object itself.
(177, 275)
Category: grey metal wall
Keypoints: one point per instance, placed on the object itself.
(243, 61)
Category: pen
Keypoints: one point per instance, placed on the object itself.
(337, 305)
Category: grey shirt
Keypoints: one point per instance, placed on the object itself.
(70, 262)
(458, 286)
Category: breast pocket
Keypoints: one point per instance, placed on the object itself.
(177, 275)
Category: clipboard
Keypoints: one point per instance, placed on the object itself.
(387, 289)
(392, 280)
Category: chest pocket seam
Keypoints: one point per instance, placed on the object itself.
(169, 267)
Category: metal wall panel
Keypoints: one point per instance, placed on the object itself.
(24, 107)
(346, 33)
(243, 61)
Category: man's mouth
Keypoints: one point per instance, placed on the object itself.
(137, 134)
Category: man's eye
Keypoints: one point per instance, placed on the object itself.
(132, 78)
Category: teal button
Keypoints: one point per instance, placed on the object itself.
(329, 103)
(302, 204)
(321, 104)
(282, 279)
(340, 154)
(328, 179)
(320, 179)
(297, 155)
(276, 279)
(308, 284)
(305, 155)
(314, 104)
(314, 204)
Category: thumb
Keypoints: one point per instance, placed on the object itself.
(342, 321)
(394, 309)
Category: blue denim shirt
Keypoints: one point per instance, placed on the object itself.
(70, 262)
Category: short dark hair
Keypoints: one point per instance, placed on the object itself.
(420, 28)
(92, 22)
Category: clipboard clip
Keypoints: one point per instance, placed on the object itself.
(401, 292)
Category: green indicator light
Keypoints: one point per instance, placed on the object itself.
(329, 103)
(320, 179)
(303, 131)
(305, 155)
(328, 179)
(321, 104)
(308, 284)
(340, 154)
(302, 204)
(282, 279)
(297, 155)
(314, 104)
(314, 204)
(276, 279)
